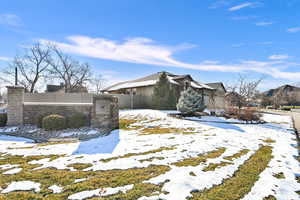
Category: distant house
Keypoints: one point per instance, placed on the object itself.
(283, 95)
(213, 93)
(61, 89)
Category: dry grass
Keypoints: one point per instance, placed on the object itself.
(237, 155)
(65, 178)
(269, 140)
(242, 181)
(201, 158)
(139, 154)
(213, 166)
(80, 166)
(151, 159)
(160, 130)
(270, 197)
(279, 175)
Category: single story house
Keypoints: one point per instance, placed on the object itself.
(213, 93)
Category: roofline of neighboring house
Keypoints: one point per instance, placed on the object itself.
(152, 82)
(218, 83)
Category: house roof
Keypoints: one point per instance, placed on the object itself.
(152, 80)
(217, 85)
(284, 89)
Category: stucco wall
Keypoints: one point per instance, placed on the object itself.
(59, 97)
(33, 112)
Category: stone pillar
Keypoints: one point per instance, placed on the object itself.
(105, 112)
(15, 100)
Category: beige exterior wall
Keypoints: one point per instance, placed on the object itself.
(145, 91)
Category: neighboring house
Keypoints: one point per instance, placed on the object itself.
(61, 89)
(284, 95)
(145, 87)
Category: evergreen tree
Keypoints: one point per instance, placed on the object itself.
(190, 101)
(164, 96)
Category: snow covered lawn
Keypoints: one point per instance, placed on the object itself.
(153, 157)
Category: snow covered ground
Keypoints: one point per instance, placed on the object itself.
(134, 147)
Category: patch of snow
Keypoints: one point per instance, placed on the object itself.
(76, 133)
(22, 186)
(80, 180)
(9, 129)
(8, 166)
(55, 189)
(13, 171)
(99, 192)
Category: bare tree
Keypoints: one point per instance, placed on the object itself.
(244, 92)
(71, 72)
(97, 83)
(31, 66)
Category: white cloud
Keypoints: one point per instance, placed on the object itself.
(293, 30)
(146, 51)
(279, 57)
(243, 5)
(238, 18)
(10, 20)
(219, 3)
(5, 59)
(263, 23)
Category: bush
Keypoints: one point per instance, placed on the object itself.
(249, 114)
(245, 114)
(54, 122)
(77, 120)
(40, 118)
(190, 101)
(3, 119)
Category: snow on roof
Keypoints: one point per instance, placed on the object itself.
(152, 80)
(133, 84)
(200, 85)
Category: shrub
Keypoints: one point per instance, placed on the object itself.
(245, 114)
(39, 122)
(249, 114)
(164, 95)
(54, 122)
(190, 101)
(3, 119)
(77, 120)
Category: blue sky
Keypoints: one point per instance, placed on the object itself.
(213, 40)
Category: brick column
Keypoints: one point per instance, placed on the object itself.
(15, 98)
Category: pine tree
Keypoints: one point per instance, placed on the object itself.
(164, 94)
(190, 101)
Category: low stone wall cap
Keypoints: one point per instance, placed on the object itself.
(15, 87)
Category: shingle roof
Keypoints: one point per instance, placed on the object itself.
(216, 85)
(152, 80)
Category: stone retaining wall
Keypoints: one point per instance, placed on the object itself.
(101, 110)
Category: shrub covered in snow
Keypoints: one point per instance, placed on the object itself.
(54, 122)
(77, 120)
(190, 101)
(3, 119)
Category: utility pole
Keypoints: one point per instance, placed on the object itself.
(16, 76)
